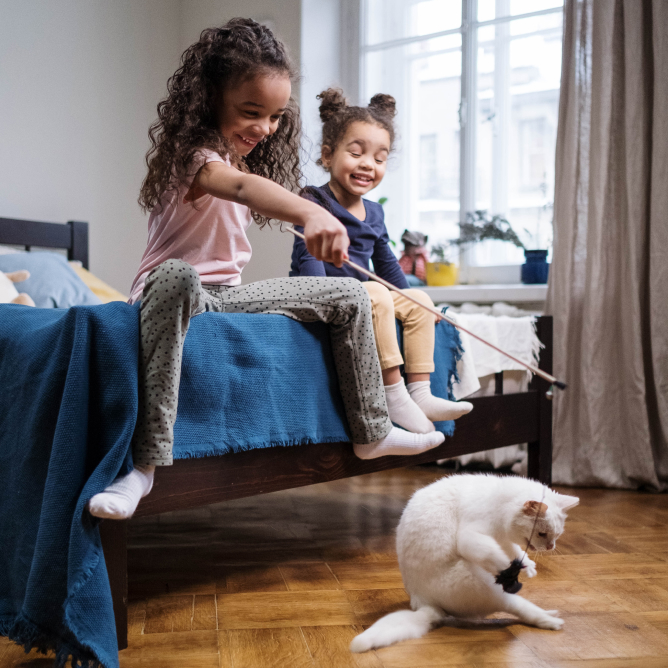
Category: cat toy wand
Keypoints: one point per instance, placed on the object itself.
(442, 316)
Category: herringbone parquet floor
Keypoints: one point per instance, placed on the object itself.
(287, 579)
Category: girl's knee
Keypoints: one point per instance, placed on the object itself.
(353, 290)
(175, 276)
(420, 296)
(380, 296)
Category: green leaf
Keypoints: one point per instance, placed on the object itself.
(479, 226)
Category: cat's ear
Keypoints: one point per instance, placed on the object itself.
(534, 508)
(566, 502)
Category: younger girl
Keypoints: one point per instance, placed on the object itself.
(356, 142)
(225, 142)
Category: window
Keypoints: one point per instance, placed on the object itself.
(478, 103)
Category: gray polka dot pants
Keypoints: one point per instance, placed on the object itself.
(173, 294)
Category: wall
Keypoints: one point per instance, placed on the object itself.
(321, 53)
(79, 83)
(271, 248)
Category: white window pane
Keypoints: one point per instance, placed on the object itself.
(535, 24)
(494, 9)
(516, 105)
(486, 10)
(387, 20)
(422, 180)
(518, 78)
(535, 62)
(487, 121)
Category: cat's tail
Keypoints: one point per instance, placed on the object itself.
(397, 626)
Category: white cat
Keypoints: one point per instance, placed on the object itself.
(455, 536)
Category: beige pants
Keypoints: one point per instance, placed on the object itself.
(419, 328)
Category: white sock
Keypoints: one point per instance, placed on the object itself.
(404, 411)
(119, 501)
(435, 408)
(399, 442)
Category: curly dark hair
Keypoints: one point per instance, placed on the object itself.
(187, 117)
(337, 116)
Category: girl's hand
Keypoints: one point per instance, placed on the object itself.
(326, 238)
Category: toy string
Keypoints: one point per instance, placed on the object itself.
(508, 578)
(533, 529)
(442, 316)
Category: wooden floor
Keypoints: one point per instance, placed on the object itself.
(287, 580)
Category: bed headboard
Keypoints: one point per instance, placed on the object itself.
(71, 236)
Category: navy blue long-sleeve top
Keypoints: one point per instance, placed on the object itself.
(368, 241)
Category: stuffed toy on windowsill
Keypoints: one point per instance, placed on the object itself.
(414, 258)
(9, 294)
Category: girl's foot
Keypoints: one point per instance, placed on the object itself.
(399, 442)
(119, 501)
(435, 408)
(404, 411)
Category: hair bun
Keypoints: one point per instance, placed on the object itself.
(333, 101)
(386, 104)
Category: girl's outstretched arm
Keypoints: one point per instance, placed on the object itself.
(326, 237)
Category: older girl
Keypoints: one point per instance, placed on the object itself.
(225, 150)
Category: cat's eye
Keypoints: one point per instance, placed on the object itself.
(543, 535)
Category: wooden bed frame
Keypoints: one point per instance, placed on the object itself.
(497, 421)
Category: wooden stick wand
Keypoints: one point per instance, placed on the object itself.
(442, 316)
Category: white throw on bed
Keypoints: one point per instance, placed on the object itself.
(479, 363)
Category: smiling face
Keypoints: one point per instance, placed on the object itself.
(251, 110)
(357, 165)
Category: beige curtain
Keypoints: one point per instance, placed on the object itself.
(608, 287)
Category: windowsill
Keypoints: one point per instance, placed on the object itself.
(487, 294)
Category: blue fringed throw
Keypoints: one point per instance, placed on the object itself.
(67, 411)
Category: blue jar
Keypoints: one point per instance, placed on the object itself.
(536, 267)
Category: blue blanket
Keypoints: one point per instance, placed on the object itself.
(276, 375)
(68, 405)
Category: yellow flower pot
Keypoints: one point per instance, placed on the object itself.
(439, 273)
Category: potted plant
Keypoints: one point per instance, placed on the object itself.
(536, 268)
(480, 226)
(442, 271)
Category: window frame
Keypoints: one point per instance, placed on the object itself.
(354, 73)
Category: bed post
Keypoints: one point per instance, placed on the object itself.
(540, 451)
(79, 248)
(114, 536)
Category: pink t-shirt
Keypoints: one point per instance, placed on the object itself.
(211, 236)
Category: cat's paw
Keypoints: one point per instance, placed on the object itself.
(549, 622)
(529, 567)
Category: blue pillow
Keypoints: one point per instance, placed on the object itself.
(52, 283)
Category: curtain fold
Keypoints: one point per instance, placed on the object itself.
(608, 287)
